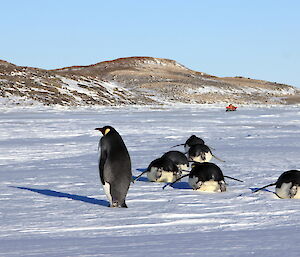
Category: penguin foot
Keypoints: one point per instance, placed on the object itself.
(293, 191)
(118, 205)
(222, 186)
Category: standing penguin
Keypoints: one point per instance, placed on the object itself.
(114, 167)
(287, 185)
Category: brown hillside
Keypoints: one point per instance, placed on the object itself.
(135, 80)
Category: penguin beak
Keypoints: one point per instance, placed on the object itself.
(100, 129)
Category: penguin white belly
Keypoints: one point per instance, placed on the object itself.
(106, 188)
(207, 186)
(167, 177)
(208, 157)
(284, 191)
(210, 186)
(183, 167)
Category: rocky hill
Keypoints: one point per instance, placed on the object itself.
(134, 80)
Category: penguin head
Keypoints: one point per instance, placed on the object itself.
(193, 140)
(105, 130)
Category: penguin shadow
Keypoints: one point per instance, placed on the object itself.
(143, 179)
(253, 189)
(181, 185)
(81, 198)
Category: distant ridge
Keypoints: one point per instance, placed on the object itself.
(134, 81)
(121, 60)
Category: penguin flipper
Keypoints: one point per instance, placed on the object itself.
(293, 191)
(217, 158)
(139, 175)
(102, 161)
(254, 190)
(177, 145)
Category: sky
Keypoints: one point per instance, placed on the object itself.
(259, 39)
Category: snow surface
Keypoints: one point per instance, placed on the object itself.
(52, 203)
(205, 89)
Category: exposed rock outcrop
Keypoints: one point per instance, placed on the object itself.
(134, 80)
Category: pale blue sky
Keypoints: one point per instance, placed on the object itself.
(257, 39)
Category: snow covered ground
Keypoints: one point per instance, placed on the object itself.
(52, 203)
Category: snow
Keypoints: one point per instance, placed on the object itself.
(72, 85)
(17, 101)
(52, 203)
(18, 73)
(206, 89)
(87, 88)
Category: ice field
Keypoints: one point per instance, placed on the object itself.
(52, 202)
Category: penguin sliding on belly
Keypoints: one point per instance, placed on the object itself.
(197, 150)
(114, 167)
(199, 153)
(192, 140)
(287, 185)
(206, 177)
(179, 159)
(162, 170)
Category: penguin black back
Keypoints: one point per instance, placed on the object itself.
(178, 158)
(194, 140)
(291, 176)
(163, 170)
(114, 166)
(199, 153)
(207, 176)
(207, 171)
(163, 163)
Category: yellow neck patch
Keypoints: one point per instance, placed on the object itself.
(106, 131)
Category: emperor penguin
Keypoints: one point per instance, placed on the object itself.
(162, 169)
(207, 177)
(193, 140)
(287, 185)
(179, 159)
(114, 166)
(199, 153)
